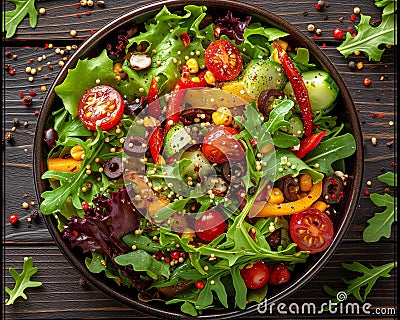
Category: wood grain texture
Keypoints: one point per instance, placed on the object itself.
(61, 296)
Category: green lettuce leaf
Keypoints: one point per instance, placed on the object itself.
(22, 281)
(12, 19)
(163, 37)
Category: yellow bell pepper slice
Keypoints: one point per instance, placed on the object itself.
(272, 209)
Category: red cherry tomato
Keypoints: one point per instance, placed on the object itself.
(338, 33)
(311, 230)
(13, 218)
(101, 106)
(219, 146)
(255, 275)
(211, 225)
(278, 274)
(223, 59)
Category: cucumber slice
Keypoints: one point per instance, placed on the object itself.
(322, 90)
(176, 139)
(261, 75)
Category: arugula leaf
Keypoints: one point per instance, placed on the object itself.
(189, 308)
(22, 281)
(368, 38)
(240, 288)
(141, 242)
(329, 151)
(13, 18)
(389, 178)
(284, 140)
(70, 183)
(140, 260)
(380, 225)
(368, 279)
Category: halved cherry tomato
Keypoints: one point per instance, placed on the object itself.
(278, 274)
(210, 225)
(101, 106)
(255, 275)
(219, 146)
(223, 59)
(312, 230)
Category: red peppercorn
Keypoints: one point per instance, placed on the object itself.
(21, 95)
(27, 101)
(78, 16)
(353, 17)
(317, 7)
(32, 93)
(88, 13)
(11, 71)
(324, 45)
(13, 218)
(37, 112)
(31, 60)
(366, 191)
(85, 206)
(200, 285)
(174, 255)
(338, 33)
(367, 82)
(381, 115)
(315, 37)
(167, 260)
(373, 115)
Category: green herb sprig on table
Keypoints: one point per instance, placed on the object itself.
(22, 281)
(12, 18)
(380, 225)
(370, 39)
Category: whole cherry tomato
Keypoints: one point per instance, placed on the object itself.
(223, 59)
(255, 275)
(278, 274)
(101, 106)
(219, 146)
(210, 225)
(312, 230)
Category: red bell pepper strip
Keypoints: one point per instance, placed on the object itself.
(309, 143)
(178, 94)
(156, 142)
(152, 98)
(299, 88)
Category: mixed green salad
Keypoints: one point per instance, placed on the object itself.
(197, 160)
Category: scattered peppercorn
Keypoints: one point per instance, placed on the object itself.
(366, 191)
(26, 124)
(42, 11)
(353, 18)
(381, 115)
(338, 33)
(16, 122)
(318, 31)
(13, 219)
(360, 65)
(310, 27)
(9, 136)
(367, 82)
(25, 205)
(352, 65)
(101, 4)
(34, 215)
(373, 141)
(356, 10)
(390, 144)
(82, 282)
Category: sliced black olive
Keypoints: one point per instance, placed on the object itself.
(266, 98)
(135, 106)
(274, 239)
(113, 168)
(135, 146)
(51, 137)
(172, 291)
(291, 188)
(194, 115)
(332, 189)
(232, 173)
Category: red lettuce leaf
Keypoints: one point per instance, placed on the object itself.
(232, 27)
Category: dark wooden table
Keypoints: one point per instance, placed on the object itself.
(61, 295)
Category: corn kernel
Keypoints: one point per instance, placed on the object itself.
(192, 65)
(209, 77)
(77, 152)
(305, 182)
(276, 196)
(222, 116)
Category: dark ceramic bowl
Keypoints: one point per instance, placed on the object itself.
(345, 110)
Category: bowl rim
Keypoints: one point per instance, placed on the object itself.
(245, 8)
